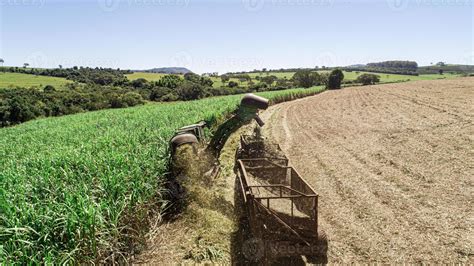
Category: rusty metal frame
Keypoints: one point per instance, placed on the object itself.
(254, 202)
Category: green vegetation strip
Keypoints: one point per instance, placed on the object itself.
(80, 188)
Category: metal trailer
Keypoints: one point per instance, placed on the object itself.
(282, 210)
(256, 147)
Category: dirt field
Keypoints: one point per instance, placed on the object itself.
(394, 167)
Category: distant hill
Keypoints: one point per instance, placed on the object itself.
(167, 70)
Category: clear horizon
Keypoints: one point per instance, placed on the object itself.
(238, 35)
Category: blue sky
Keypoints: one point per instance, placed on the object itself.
(233, 35)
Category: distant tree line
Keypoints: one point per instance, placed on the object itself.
(99, 76)
(307, 78)
(280, 70)
(409, 66)
(382, 70)
(19, 105)
(389, 67)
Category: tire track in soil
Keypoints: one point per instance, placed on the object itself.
(379, 202)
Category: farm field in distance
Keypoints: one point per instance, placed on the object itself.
(392, 165)
(8, 80)
(145, 75)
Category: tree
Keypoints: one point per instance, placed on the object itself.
(305, 78)
(60, 66)
(269, 79)
(2, 61)
(25, 65)
(192, 77)
(207, 82)
(202, 80)
(190, 91)
(157, 93)
(335, 79)
(132, 99)
(316, 77)
(170, 81)
(441, 64)
(139, 83)
(368, 79)
(225, 78)
(233, 84)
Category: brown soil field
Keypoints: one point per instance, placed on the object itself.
(393, 165)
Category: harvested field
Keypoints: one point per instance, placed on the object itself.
(393, 165)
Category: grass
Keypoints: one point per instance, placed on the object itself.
(78, 188)
(144, 75)
(8, 80)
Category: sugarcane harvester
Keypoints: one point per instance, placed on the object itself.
(185, 156)
(245, 113)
